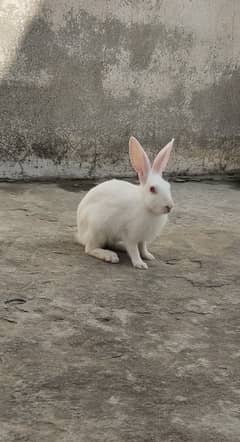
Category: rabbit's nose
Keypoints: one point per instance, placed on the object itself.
(169, 208)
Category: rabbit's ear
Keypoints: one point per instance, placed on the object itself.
(139, 159)
(161, 160)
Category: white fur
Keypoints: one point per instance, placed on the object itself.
(122, 215)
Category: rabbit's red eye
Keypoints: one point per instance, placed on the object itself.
(153, 189)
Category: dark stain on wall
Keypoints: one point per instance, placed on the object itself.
(217, 108)
(143, 39)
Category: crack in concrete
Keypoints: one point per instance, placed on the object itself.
(204, 284)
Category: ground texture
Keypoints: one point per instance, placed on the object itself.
(96, 352)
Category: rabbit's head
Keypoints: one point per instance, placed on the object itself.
(156, 191)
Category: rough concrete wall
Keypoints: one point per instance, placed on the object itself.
(78, 77)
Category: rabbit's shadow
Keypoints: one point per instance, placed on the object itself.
(69, 247)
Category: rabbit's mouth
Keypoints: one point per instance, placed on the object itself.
(158, 211)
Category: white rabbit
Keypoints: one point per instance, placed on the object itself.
(121, 215)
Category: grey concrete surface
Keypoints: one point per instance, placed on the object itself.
(78, 77)
(98, 352)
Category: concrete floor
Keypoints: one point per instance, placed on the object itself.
(99, 352)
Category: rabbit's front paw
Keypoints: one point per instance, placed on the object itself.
(140, 265)
(147, 255)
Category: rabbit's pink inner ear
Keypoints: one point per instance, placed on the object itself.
(139, 159)
(161, 160)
